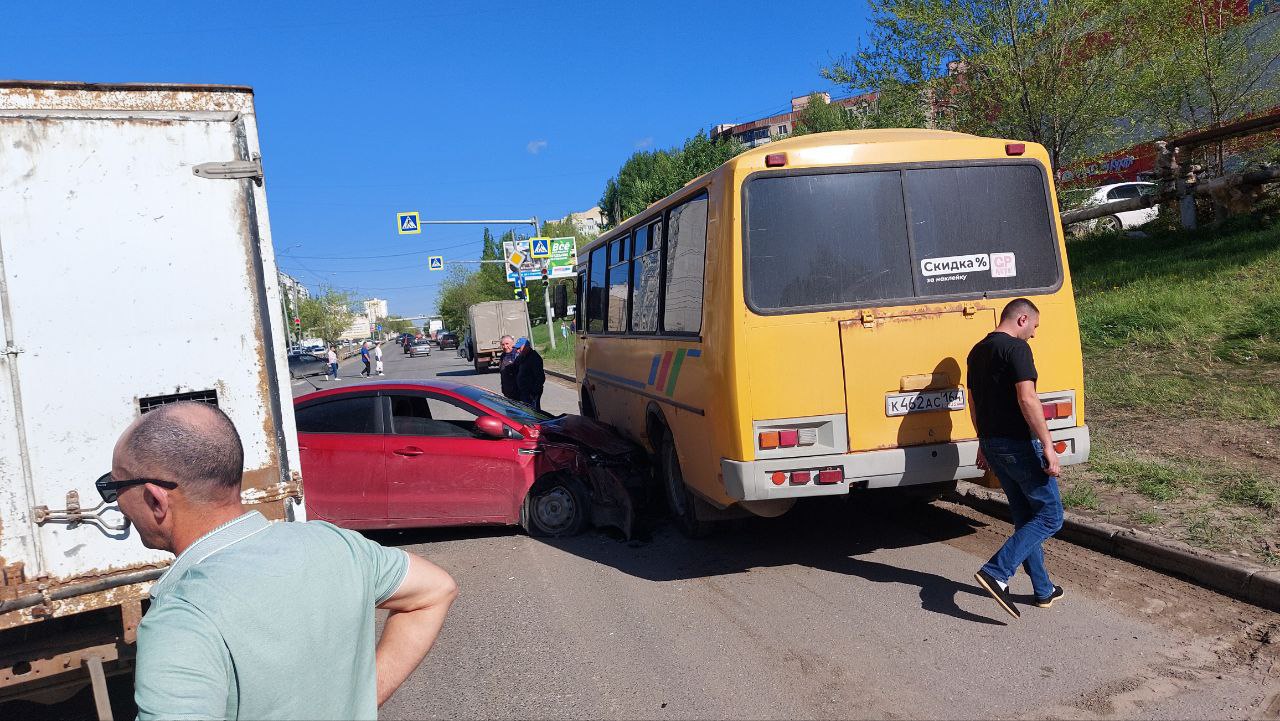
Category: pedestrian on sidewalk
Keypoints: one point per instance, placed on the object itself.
(506, 369)
(364, 358)
(333, 363)
(212, 644)
(377, 355)
(1014, 443)
(530, 375)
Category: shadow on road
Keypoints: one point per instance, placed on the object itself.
(464, 372)
(827, 536)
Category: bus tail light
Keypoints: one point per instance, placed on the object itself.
(799, 478)
(1060, 409)
(830, 475)
(1015, 148)
(778, 478)
(775, 160)
(787, 438)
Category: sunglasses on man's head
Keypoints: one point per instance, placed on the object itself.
(109, 488)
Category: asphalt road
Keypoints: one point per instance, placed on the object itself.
(836, 610)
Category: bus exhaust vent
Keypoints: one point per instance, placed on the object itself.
(151, 403)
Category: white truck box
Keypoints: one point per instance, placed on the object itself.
(136, 269)
(489, 322)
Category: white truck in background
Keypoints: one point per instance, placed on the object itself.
(135, 207)
(489, 322)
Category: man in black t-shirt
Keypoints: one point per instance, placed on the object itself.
(1014, 443)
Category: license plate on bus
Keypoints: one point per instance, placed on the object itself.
(901, 404)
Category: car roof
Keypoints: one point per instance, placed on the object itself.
(452, 387)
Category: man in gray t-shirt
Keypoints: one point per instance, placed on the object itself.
(259, 620)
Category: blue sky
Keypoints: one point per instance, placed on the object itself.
(458, 110)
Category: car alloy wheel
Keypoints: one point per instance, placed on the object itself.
(1110, 224)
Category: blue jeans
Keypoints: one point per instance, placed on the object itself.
(1034, 504)
(333, 369)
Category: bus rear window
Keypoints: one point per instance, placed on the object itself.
(855, 238)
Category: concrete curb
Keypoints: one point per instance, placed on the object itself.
(1249, 582)
(561, 376)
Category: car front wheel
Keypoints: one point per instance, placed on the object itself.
(1110, 224)
(556, 506)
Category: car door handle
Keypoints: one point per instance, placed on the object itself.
(410, 451)
(529, 451)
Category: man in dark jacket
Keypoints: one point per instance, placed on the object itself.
(530, 377)
(507, 368)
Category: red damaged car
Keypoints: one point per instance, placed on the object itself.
(409, 454)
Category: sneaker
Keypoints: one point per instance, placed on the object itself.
(1001, 595)
(1047, 601)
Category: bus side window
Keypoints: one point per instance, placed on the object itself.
(685, 259)
(595, 294)
(619, 284)
(645, 276)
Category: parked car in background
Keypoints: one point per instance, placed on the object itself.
(447, 340)
(419, 346)
(307, 364)
(1124, 220)
(408, 454)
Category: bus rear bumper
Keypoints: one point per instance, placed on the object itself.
(934, 463)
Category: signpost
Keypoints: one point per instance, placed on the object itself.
(435, 262)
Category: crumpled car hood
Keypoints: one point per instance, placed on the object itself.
(592, 434)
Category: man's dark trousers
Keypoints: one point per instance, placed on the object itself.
(1034, 504)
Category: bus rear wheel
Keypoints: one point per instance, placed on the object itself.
(681, 501)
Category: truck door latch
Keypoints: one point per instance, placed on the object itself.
(232, 170)
(73, 515)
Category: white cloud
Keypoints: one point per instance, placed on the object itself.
(645, 142)
(536, 146)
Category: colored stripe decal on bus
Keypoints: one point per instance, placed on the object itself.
(619, 379)
(662, 374)
(675, 371)
(653, 369)
(694, 352)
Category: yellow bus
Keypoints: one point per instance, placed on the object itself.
(796, 322)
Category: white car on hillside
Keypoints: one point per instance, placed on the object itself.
(1127, 219)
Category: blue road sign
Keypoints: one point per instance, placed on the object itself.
(540, 247)
(435, 262)
(520, 281)
(379, 326)
(407, 223)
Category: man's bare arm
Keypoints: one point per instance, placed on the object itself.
(1033, 413)
(418, 609)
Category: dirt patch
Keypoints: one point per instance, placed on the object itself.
(1210, 483)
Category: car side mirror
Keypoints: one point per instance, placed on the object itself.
(491, 426)
(560, 300)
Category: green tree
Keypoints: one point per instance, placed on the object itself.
(1048, 71)
(1211, 65)
(327, 315)
(820, 116)
(651, 175)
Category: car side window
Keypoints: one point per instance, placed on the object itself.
(342, 415)
(434, 416)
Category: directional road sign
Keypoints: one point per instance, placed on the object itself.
(408, 223)
(435, 262)
(540, 247)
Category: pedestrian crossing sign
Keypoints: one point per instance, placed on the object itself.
(435, 262)
(408, 223)
(540, 247)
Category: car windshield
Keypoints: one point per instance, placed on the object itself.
(514, 410)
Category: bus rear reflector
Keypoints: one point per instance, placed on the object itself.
(830, 475)
(799, 478)
(1060, 447)
(778, 478)
(1015, 148)
(775, 160)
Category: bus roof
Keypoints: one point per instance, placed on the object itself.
(802, 142)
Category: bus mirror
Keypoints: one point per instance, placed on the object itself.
(561, 300)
